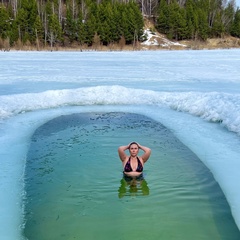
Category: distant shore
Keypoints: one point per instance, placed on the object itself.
(162, 44)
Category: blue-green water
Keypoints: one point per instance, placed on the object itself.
(75, 189)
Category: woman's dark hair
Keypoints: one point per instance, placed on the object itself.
(132, 144)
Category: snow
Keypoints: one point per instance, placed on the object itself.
(193, 93)
(214, 107)
(156, 39)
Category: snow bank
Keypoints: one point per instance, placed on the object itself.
(211, 106)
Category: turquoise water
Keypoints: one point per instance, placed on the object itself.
(75, 189)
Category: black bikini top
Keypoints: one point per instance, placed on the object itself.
(128, 167)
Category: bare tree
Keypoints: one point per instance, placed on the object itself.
(181, 3)
(148, 7)
(73, 9)
(122, 42)
(51, 39)
(84, 10)
(228, 12)
(37, 40)
(60, 17)
(213, 9)
(45, 28)
(96, 42)
(14, 4)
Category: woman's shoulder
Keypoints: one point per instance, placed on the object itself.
(141, 159)
(126, 159)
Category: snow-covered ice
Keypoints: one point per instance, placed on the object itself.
(194, 93)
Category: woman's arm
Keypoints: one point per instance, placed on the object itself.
(147, 152)
(121, 152)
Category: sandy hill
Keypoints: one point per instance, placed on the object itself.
(157, 41)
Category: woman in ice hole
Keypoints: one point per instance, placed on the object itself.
(132, 163)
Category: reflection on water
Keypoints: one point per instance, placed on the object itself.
(75, 188)
(133, 186)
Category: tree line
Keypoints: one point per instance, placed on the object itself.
(88, 22)
(199, 19)
(63, 22)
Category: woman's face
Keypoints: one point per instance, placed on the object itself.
(133, 149)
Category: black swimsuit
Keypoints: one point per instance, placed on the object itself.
(128, 167)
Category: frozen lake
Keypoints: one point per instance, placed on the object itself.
(194, 94)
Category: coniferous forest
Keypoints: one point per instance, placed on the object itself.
(87, 22)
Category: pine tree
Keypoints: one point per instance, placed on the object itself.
(14, 32)
(70, 28)
(116, 22)
(126, 28)
(190, 19)
(91, 29)
(217, 26)
(54, 31)
(182, 30)
(113, 23)
(235, 28)
(22, 23)
(38, 26)
(203, 28)
(163, 17)
(25, 19)
(48, 9)
(138, 20)
(4, 22)
(131, 23)
(81, 30)
(177, 22)
(104, 23)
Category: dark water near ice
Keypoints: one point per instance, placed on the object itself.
(75, 189)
